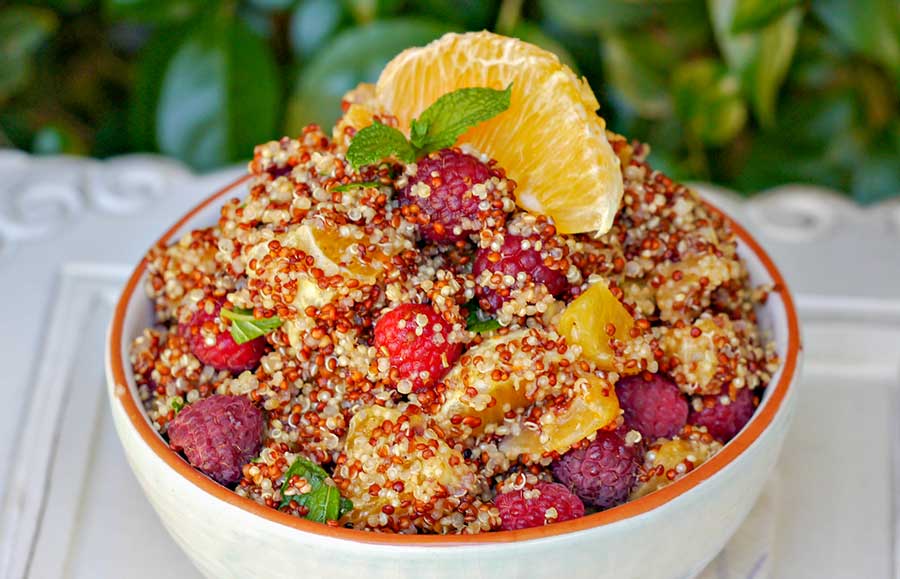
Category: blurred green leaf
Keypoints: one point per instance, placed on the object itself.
(471, 14)
(273, 5)
(219, 96)
(312, 23)
(151, 68)
(753, 14)
(354, 56)
(760, 58)
(590, 15)
(871, 27)
(877, 177)
(638, 70)
(156, 11)
(365, 11)
(23, 30)
(708, 100)
(57, 140)
(533, 34)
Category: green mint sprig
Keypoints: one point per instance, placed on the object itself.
(477, 321)
(324, 501)
(437, 127)
(244, 327)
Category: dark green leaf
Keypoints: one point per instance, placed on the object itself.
(155, 11)
(753, 14)
(638, 70)
(23, 30)
(871, 27)
(324, 501)
(708, 101)
(377, 142)
(219, 96)
(312, 23)
(590, 15)
(274, 5)
(877, 176)
(350, 186)
(454, 113)
(57, 140)
(470, 14)
(354, 56)
(245, 327)
(477, 321)
(760, 58)
(365, 11)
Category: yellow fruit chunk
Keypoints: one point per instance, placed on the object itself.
(339, 251)
(395, 459)
(480, 396)
(592, 320)
(550, 141)
(593, 406)
(673, 459)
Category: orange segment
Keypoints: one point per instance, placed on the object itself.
(588, 320)
(339, 251)
(550, 141)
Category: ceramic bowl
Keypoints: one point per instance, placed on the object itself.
(670, 534)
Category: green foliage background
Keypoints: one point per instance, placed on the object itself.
(747, 93)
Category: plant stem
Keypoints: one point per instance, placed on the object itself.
(510, 11)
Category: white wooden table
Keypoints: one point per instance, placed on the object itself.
(71, 229)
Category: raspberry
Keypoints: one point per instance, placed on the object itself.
(415, 339)
(219, 435)
(447, 210)
(653, 405)
(224, 353)
(512, 261)
(532, 507)
(724, 421)
(602, 474)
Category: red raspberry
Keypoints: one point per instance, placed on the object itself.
(224, 353)
(415, 339)
(219, 435)
(602, 474)
(653, 405)
(724, 421)
(512, 261)
(450, 203)
(529, 507)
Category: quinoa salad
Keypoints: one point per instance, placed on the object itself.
(385, 340)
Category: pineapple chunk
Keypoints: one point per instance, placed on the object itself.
(672, 460)
(587, 321)
(395, 459)
(593, 406)
(483, 386)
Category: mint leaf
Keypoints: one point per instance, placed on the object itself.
(455, 113)
(324, 501)
(477, 321)
(244, 327)
(176, 404)
(349, 186)
(377, 142)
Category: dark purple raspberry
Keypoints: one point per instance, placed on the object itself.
(653, 405)
(512, 260)
(450, 174)
(602, 474)
(224, 353)
(519, 512)
(724, 421)
(218, 435)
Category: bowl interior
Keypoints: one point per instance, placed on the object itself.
(777, 319)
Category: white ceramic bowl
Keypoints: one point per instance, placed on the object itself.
(670, 534)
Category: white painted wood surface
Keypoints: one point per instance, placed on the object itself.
(70, 230)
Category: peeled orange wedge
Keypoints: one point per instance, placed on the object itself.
(590, 318)
(550, 141)
(337, 251)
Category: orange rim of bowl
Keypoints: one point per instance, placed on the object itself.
(758, 423)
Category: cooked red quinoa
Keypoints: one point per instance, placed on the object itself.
(329, 259)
